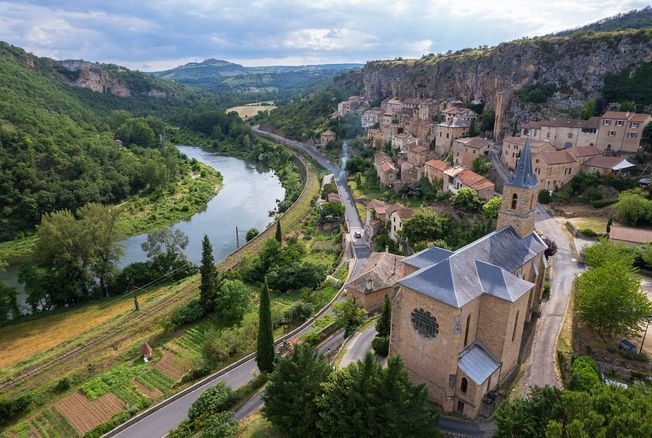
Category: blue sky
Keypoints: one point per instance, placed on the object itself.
(155, 35)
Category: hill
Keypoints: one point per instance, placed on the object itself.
(247, 84)
(58, 121)
(636, 19)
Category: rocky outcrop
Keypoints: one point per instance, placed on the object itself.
(85, 74)
(575, 65)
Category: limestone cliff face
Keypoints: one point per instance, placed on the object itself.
(576, 65)
(108, 79)
(92, 76)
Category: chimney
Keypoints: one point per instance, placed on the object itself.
(386, 248)
(370, 284)
(394, 271)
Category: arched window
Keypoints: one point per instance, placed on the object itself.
(515, 324)
(465, 385)
(532, 202)
(514, 201)
(466, 330)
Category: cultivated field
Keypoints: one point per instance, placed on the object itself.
(246, 111)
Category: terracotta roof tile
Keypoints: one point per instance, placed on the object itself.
(557, 157)
(438, 164)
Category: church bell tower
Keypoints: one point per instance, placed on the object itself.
(520, 196)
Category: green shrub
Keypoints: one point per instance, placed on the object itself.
(298, 313)
(12, 409)
(62, 385)
(587, 232)
(601, 203)
(545, 197)
(216, 399)
(190, 312)
(584, 374)
(381, 346)
(220, 425)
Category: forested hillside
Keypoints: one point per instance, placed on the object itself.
(57, 147)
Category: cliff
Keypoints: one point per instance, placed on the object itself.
(571, 67)
(85, 74)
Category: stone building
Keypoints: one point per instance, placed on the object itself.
(512, 147)
(385, 169)
(564, 133)
(370, 118)
(376, 281)
(396, 220)
(434, 170)
(607, 165)
(458, 317)
(465, 150)
(448, 131)
(621, 131)
(555, 169)
(461, 177)
(326, 137)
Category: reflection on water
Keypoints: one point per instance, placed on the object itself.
(248, 194)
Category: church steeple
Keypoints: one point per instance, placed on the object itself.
(519, 195)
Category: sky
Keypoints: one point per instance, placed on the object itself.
(160, 34)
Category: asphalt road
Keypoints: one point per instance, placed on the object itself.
(358, 346)
(540, 367)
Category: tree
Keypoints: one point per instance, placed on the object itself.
(384, 323)
(481, 166)
(265, 343)
(165, 246)
(544, 196)
(220, 425)
(633, 208)
(208, 283)
(552, 248)
(232, 301)
(332, 211)
(293, 390)
(349, 315)
(588, 109)
(279, 234)
(466, 199)
(425, 225)
(492, 207)
(529, 417)
(215, 399)
(253, 232)
(609, 297)
(136, 132)
(385, 402)
(604, 251)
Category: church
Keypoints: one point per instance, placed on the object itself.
(458, 316)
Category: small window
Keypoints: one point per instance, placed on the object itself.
(464, 385)
(570, 135)
(514, 201)
(611, 133)
(515, 325)
(606, 122)
(619, 123)
(460, 406)
(633, 124)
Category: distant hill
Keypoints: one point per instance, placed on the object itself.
(635, 19)
(254, 83)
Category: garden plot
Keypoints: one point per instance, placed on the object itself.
(85, 414)
(171, 366)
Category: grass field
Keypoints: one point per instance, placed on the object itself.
(256, 426)
(246, 111)
(32, 336)
(595, 224)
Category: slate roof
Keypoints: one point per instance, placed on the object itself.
(427, 257)
(477, 364)
(456, 278)
(380, 272)
(523, 175)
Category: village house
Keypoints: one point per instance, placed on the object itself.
(466, 310)
(397, 218)
(512, 147)
(376, 136)
(403, 141)
(605, 165)
(416, 155)
(326, 137)
(434, 170)
(555, 169)
(370, 118)
(564, 133)
(376, 281)
(353, 103)
(582, 154)
(385, 169)
(463, 114)
(410, 174)
(447, 131)
(456, 178)
(375, 218)
(392, 106)
(621, 131)
(465, 150)
(629, 236)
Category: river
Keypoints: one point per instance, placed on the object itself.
(248, 194)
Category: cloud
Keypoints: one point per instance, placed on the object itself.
(150, 34)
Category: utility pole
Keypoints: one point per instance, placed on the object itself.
(136, 306)
(649, 318)
(237, 238)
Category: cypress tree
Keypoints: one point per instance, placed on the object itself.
(208, 276)
(279, 235)
(384, 323)
(265, 342)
